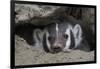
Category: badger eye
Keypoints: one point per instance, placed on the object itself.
(49, 38)
(65, 36)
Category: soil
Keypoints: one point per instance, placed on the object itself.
(26, 54)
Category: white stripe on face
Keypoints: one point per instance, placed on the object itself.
(57, 30)
(47, 41)
(68, 41)
(56, 27)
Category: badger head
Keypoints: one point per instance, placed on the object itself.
(61, 37)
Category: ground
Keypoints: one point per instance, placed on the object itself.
(26, 54)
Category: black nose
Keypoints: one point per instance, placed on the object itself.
(56, 48)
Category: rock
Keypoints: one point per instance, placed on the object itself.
(25, 12)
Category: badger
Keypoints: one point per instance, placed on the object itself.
(65, 36)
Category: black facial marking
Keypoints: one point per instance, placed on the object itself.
(45, 47)
(51, 38)
(65, 36)
(72, 41)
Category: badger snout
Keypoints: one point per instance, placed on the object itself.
(57, 47)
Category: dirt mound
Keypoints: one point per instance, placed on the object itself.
(30, 55)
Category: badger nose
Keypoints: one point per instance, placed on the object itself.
(56, 48)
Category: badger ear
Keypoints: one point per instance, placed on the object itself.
(38, 37)
(77, 31)
(38, 34)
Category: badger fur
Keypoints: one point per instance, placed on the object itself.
(64, 36)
